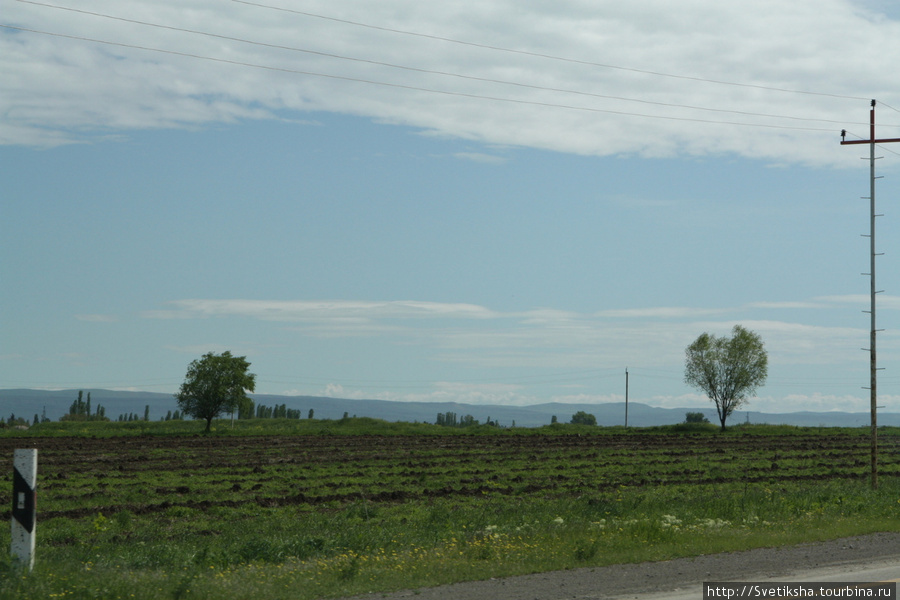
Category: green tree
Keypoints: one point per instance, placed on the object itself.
(246, 409)
(727, 370)
(583, 418)
(214, 384)
(80, 410)
(695, 417)
(77, 407)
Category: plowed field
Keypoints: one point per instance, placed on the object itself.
(83, 476)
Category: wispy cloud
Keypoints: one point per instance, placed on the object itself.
(544, 91)
(474, 335)
(787, 305)
(883, 301)
(480, 157)
(198, 349)
(663, 312)
(442, 391)
(97, 318)
(301, 310)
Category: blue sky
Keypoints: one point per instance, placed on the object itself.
(488, 202)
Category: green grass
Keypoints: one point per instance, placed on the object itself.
(581, 514)
(304, 554)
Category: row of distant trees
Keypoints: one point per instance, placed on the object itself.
(80, 410)
(250, 410)
(450, 419)
(728, 370)
(14, 421)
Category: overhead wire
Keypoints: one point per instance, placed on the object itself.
(422, 70)
(411, 87)
(542, 55)
(442, 73)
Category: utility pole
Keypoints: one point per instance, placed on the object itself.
(873, 362)
(626, 397)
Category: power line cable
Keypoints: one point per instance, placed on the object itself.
(409, 87)
(428, 71)
(547, 56)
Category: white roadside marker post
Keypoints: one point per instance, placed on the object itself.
(24, 506)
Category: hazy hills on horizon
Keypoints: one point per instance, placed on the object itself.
(29, 402)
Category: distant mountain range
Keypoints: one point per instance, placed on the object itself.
(26, 403)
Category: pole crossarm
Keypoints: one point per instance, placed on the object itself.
(885, 141)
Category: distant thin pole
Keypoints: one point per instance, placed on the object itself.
(626, 396)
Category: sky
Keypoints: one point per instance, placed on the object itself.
(490, 202)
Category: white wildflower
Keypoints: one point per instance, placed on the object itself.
(670, 521)
(714, 523)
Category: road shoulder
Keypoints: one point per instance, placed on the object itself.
(621, 580)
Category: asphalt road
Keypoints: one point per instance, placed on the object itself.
(874, 557)
(866, 571)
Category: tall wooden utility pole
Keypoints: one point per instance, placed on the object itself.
(873, 363)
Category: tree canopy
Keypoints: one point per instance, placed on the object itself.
(583, 418)
(214, 384)
(727, 370)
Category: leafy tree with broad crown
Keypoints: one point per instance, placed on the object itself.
(214, 384)
(728, 370)
(583, 418)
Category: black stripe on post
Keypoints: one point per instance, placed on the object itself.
(24, 502)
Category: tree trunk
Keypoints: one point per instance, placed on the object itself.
(209, 425)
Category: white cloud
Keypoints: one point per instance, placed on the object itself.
(787, 305)
(341, 311)
(441, 391)
(664, 312)
(544, 338)
(97, 318)
(645, 77)
(200, 349)
(480, 157)
(883, 301)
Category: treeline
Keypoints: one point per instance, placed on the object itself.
(251, 410)
(130, 417)
(20, 422)
(80, 410)
(279, 411)
(449, 419)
